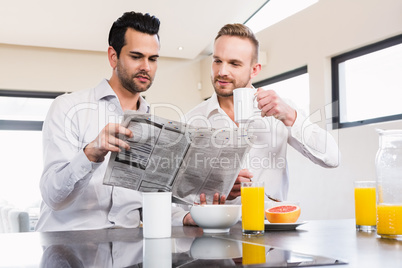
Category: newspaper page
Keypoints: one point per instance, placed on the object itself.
(170, 156)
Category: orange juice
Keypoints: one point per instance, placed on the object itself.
(253, 254)
(252, 200)
(389, 219)
(365, 206)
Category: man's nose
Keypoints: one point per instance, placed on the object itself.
(223, 70)
(145, 65)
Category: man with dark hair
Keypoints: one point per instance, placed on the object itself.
(82, 128)
(142, 23)
(235, 64)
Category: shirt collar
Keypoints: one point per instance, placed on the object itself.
(105, 91)
(213, 106)
(144, 106)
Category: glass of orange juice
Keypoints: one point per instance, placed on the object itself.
(365, 206)
(252, 201)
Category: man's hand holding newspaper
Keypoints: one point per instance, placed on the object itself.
(166, 155)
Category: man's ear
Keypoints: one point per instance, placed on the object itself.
(112, 56)
(255, 71)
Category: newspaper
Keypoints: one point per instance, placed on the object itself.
(169, 156)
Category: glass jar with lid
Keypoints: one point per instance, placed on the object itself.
(388, 165)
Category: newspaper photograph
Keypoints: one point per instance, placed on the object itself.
(169, 156)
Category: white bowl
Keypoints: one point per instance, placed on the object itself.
(213, 248)
(216, 218)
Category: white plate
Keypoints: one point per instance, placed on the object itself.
(282, 226)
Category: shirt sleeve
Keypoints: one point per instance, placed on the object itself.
(67, 170)
(178, 214)
(313, 142)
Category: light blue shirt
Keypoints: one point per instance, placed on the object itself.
(73, 193)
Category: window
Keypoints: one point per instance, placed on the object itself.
(21, 118)
(293, 85)
(274, 11)
(367, 84)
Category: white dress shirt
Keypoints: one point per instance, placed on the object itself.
(73, 193)
(267, 156)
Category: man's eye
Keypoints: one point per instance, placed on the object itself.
(153, 59)
(217, 61)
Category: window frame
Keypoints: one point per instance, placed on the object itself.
(25, 124)
(335, 61)
(281, 77)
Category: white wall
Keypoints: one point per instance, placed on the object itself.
(175, 89)
(312, 37)
(44, 69)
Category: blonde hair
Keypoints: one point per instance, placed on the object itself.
(242, 31)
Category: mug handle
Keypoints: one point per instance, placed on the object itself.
(256, 110)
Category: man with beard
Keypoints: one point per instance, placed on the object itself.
(235, 64)
(82, 128)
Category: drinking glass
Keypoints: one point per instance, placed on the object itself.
(365, 205)
(252, 200)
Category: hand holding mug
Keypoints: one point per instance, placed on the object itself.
(271, 104)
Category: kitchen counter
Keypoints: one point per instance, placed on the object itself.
(332, 242)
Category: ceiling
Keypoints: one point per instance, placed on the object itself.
(85, 24)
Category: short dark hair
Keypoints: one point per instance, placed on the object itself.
(144, 23)
(241, 31)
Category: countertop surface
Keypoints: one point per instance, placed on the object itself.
(335, 243)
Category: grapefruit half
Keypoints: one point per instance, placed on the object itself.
(283, 214)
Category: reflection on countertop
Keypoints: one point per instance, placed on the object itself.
(316, 243)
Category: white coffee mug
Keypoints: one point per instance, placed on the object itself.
(245, 104)
(157, 215)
